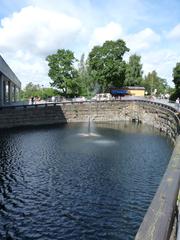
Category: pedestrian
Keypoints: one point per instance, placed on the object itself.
(177, 103)
(32, 100)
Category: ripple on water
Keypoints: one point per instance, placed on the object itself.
(56, 183)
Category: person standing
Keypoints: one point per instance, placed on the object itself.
(32, 100)
(177, 103)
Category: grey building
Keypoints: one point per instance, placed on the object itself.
(9, 84)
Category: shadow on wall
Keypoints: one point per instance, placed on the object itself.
(32, 115)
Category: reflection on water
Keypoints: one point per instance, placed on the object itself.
(56, 183)
(88, 134)
(89, 130)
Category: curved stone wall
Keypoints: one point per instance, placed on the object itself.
(150, 113)
(158, 115)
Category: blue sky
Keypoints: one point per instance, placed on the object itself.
(32, 29)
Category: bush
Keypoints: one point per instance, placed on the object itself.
(175, 95)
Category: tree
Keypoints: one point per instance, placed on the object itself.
(106, 64)
(63, 73)
(34, 90)
(154, 84)
(176, 80)
(84, 80)
(176, 75)
(46, 93)
(134, 71)
(30, 90)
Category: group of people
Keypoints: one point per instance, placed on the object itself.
(34, 100)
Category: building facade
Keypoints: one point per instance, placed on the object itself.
(136, 91)
(9, 84)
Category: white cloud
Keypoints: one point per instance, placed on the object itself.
(28, 68)
(162, 60)
(142, 40)
(175, 32)
(37, 30)
(28, 36)
(111, 31)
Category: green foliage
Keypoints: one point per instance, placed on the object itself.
(46, 93)
(84, 79)
(63, 73)
(31, 90)
(134, 71)
(176, 75)
(106, 64)
(34, 90)
(152, 82)
(176, 80)
(175, 94)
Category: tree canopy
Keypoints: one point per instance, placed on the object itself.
(154, 84)
(176, 80)
(106, 64)
(176, 75)
(35, 90)
(63, 73)
(85, 81)
(134, 71)
(104, 68)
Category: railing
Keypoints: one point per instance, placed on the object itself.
(162, 213)
(169, 105)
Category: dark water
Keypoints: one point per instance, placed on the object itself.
(60, 183)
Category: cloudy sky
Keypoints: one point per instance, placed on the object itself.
(32, 29)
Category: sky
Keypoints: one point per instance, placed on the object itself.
(30, 30)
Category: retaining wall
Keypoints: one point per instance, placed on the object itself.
(161, 117)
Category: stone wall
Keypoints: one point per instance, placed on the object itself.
(143, 112)
(31, 115)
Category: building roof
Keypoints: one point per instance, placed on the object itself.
(134, 88)
(6, 71)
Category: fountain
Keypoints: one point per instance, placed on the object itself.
(89, 125)
(90, 129)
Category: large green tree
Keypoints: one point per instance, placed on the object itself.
(154, 84)
(106, 64)
(134, 71)
(176, 75)
(63, 73)
(176, 80)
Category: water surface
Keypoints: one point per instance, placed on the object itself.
(68, 183)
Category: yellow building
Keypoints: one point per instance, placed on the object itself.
(136, 91)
